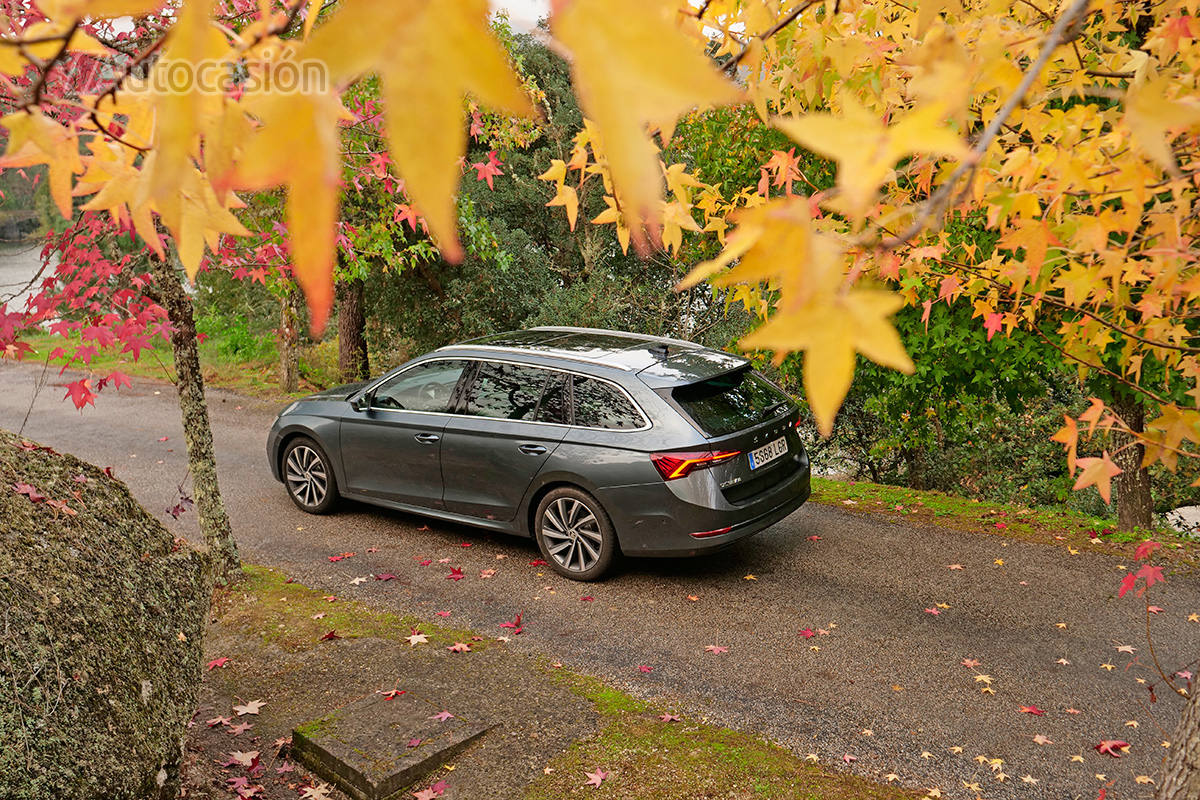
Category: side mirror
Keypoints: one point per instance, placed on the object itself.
(361, 402)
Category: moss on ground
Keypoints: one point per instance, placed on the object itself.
(685, 760)
(295, 617)
(103, 619)
(1057, 526)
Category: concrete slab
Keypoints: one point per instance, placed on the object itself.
(374, 747)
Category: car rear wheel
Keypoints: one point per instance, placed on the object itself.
(574, 534)
(309, 476)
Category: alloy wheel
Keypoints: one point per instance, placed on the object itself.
(572, 534)
(306, 476)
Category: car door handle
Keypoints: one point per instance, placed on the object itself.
(427, 438)
(532, 449)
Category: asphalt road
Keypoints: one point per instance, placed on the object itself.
(879, 688)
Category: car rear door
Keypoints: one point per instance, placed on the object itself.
(392, 448)
(510, 418)
(742, 412)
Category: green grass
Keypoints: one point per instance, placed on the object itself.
(1052, 525)
(256, 377)
(657, 760)
(264, 603)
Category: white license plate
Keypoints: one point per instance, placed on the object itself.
(768, 453)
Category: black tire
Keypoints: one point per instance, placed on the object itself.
(575, 535)
(308, 476)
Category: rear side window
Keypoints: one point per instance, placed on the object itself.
(728, 403)
(602, 405)
(506, 391)
(553, 407)
(425, 387)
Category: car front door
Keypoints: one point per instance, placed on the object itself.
(391, 449)
(511, 417)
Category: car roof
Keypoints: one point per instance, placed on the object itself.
(657, 360)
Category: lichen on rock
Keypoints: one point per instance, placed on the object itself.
(101, 626)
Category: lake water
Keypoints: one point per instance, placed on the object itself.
(18, 264)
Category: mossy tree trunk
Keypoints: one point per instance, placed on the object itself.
(1135, 504)
(197, 432)
(289, 341)
(352, 325)
(1181, 773)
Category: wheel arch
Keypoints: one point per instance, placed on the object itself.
(548, 485)
(302, 432)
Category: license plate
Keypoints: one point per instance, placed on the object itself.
(768, 453)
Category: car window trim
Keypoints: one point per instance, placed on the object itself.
(473, 363)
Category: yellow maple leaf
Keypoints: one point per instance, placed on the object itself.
(568, 199)
(71, 9)
(430, 54)
(298, 145)
(1097, 472)
(34, 138)
(866, 149)
(1154, 120)
(634, 67)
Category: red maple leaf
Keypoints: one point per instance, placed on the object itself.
(81, 393)
(992, 323)
(807, 633)
(1151, 573)
(385, 576)
(119, 379)
(456, 574)
(1127, 583)
(331, 635)
(537, 562)
(1145, 549)
(1112, 747)
(218, 662)
(489, 169)
(29, 491)
(515, 624)
(1037, 712)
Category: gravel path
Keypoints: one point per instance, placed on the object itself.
(879, 687)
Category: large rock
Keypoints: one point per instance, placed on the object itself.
(101, 624)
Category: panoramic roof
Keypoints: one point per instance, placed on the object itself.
(659, 359)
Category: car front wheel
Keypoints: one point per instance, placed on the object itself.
(309, 477)
(574, 534)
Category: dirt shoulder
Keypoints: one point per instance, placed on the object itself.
(290, 655)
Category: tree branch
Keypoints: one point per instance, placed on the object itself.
(938, 202)
(782, 23)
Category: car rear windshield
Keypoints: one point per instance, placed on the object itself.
(730, 402)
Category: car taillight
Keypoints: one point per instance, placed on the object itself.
(680, 465)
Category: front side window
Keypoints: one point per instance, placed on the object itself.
(601, 405)
(730, 402)
(506, 391)
(425, 387)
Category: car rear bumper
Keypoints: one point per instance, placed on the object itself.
(652, 520)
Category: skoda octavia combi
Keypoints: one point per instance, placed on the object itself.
(593, 442)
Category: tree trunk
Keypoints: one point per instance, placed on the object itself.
(197, 433)
(1135, 504)
(289, 342)
(352, 323)
(1181, 774)
(915, 466)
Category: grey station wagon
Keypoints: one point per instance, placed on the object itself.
(594, 442)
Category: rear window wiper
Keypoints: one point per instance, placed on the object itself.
(771, 411)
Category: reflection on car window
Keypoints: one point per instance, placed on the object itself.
(553, 407)
(730, 402)
(425, 387)
(602, 405)
(506, 391)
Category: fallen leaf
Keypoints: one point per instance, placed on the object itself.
(596, 778)
(1037, 712)
(668, 718)
(442, 716)
(218, 662)
(249, 708)
(1111, 747)
(459, 647)
(715, 649)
